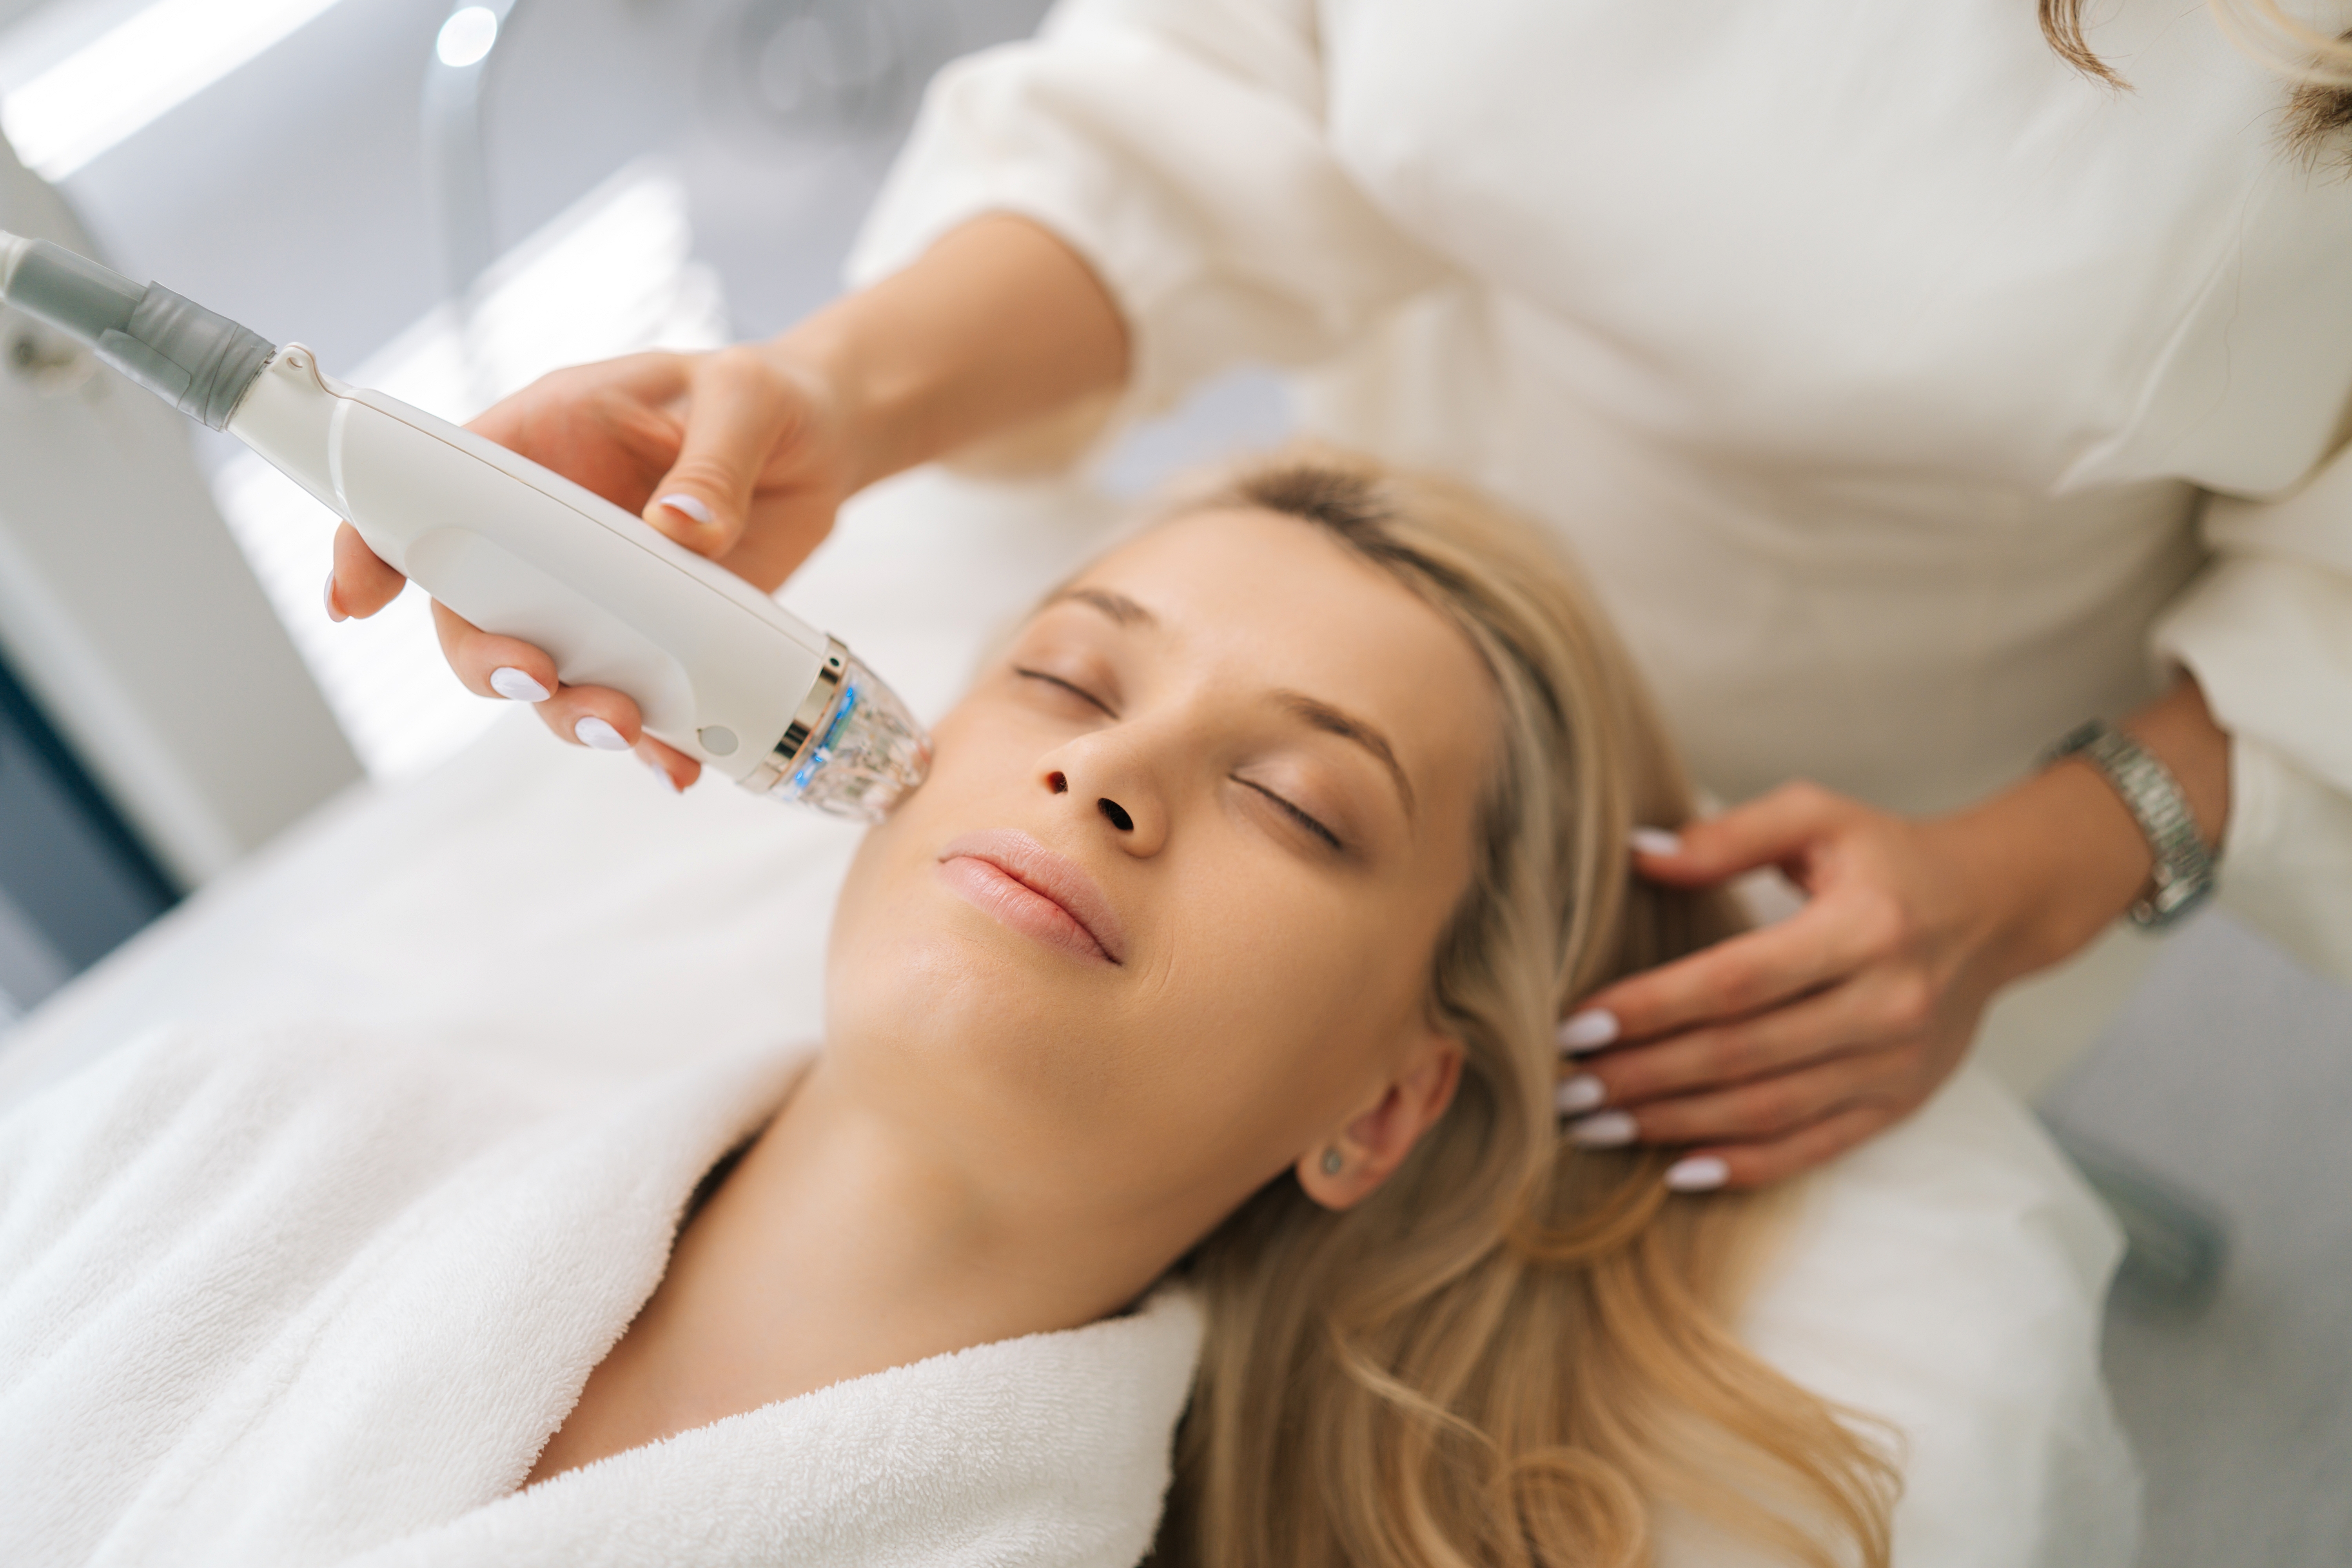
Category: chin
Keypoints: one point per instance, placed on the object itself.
(942, 1007)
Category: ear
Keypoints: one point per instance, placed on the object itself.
(1376, 1141)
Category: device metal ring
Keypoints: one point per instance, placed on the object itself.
(780, 760)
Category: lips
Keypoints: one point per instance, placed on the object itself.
(1008, 874)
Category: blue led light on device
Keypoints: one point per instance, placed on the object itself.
(822, 752)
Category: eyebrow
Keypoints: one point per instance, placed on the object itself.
(1348, 727)
(1122, 610)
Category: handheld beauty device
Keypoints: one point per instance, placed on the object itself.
(717, 668)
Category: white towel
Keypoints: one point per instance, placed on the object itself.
(301, 1297)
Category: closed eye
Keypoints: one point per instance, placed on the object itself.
(1080, 692)
(1295, 814)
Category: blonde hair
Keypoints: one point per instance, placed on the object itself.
(2319, 66)
(1516, 1351)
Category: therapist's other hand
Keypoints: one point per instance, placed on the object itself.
(1778, 1049)
(739, 455)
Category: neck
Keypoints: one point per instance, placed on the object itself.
(845, 1243)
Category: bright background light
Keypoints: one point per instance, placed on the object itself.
(467, 36)
(136, 72)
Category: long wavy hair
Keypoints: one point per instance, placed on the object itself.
(2319, 66)
(1518, 1350)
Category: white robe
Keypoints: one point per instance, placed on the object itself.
(309, 1297)
(1877, 363)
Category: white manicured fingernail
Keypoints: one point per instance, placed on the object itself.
(1655, 841)
(1579, 1095)
(515, 685)
(685, 503)
(593, 732)
(662, 773)
(1604, 1130)
(1699, 1174)
(334, 611)
(1588, 1030)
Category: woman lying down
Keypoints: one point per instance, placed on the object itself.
(1184, 1114)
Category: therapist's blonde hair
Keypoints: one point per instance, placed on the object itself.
(2319, 66)
(1516, 1352)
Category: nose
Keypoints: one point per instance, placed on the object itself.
(1120, 796)
(1113, 813)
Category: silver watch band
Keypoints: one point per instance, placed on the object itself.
(2184, 866)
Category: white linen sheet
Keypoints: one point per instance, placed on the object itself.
(552, 909)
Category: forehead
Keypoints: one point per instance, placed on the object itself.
(1268, 603)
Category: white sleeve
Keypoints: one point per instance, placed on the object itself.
(1179, 147)
(2267, 631)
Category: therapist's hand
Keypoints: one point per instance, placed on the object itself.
(741, 455)
(1786, 1045)
(745, 454)
(1778, 1049)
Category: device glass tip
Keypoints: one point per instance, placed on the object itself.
(865, 755)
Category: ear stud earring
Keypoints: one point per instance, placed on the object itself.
(1332, 1160)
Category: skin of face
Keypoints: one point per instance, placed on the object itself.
(1192, 730)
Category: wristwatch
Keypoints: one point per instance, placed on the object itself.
(2184, 866)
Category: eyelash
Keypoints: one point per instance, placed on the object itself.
(1303, 820)
(1089, 697)
(1080, 692)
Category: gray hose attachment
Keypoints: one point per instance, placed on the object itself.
(198, 362)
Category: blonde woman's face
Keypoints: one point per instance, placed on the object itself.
(1163, 917)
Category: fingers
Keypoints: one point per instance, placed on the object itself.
(1762, 1131)
(493, 665)
(1761, 1165)
(592, 716)
(674, 767)
(1841, 1018)
(743, 407)
(359, 584)
(521, 420)
(608, 428)
(1824, 941)
(1753, 1113)
(739, 455)
(1773, 829)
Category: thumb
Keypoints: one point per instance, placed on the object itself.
(1774, 829)
(738, 410)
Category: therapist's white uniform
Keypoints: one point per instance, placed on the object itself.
(1883, 369)
(1885, 372)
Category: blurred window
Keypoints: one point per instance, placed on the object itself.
(74, 880)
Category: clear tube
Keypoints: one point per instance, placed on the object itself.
(865, 754)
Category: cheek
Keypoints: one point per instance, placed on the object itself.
(1277, 1013)
(921, 989)
(876, 930)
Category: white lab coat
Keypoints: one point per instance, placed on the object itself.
(1882, 369)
